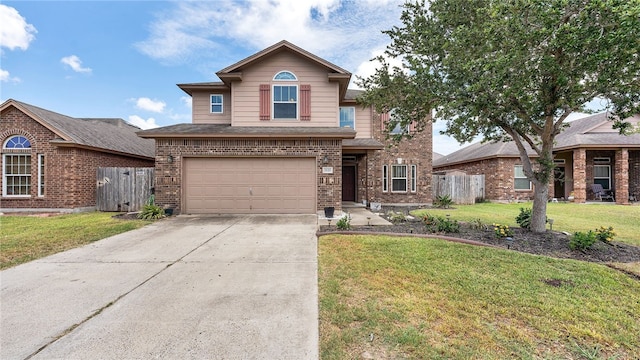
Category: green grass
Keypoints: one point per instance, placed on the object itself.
(568, 217)
(26, 238)
(430, 299)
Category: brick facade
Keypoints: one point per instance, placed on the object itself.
(169, 175)
(69, 172)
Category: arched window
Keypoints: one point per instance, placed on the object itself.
(16, 169)
(17, 142)
(285, 75)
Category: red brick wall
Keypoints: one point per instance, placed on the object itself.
(169, 175)
(634, 173)
(417, 150)
(498, 177)
(70, 173)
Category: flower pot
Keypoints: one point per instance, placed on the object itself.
(328, 211)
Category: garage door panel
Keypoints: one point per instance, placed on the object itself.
(250, 185)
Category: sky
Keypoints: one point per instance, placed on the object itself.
(123, 59)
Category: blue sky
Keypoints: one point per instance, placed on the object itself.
(124, 58)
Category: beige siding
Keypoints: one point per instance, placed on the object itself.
(363, 122)
(324, 94)
(607, 126)
(201, 110)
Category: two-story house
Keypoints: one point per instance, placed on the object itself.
(282, 133)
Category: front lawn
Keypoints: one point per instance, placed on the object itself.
(26, 238)
(568, 217)
(386, 297)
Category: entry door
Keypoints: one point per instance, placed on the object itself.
(558, 182)
(348, 183)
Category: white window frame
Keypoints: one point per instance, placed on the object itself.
(608, 178)
(516, 177)
(41, 165)
(414, 178)
(5, 176)
(275, 77)
(221, 104)
(353, 110)
(393, 177)
(274, 102)
(385, 178)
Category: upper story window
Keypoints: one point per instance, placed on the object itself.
(285, 101)
(285, 75)
(397, 129)
(216, 103)
(348, 117)
(17, 142)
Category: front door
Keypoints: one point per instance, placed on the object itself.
(558, 182)
(348, 183)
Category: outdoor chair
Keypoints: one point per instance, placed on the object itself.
(600, 193)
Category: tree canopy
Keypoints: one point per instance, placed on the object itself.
(510, 70)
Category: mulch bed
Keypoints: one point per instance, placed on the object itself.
(551, 243)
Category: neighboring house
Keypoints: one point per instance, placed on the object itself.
(281, 133)
(589, 151)
(49, 160)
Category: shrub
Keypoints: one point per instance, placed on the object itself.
(443, 201)
(440, 224)
(502, 231)
(582, 241)
(524, 218)
(396, 217)
(151, 212)
(344, 223)
(605, 234)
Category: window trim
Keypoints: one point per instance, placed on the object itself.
(515, 177)
(414, 178)
(211, 104)
(6, 142)
(275, 77)
(385, 178)
(4, 175)
(352, 108)
(273, 102)
(406, 180)
(41, 174)
(608, 178)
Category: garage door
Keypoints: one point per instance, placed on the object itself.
(250, 185)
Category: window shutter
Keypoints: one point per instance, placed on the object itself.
(265, 102)
(305, 102)
(412, 127)
(384, 120)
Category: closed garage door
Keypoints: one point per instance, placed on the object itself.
(250, 185)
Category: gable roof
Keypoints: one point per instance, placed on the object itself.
(335, 73)
(594, 131)
(110, 135)
(228, 131)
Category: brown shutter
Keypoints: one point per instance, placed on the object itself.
(265, 102)
(384, 120)
(305, 102)
(412, 127)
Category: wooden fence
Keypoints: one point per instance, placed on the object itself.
(462, 189)
(123, 189)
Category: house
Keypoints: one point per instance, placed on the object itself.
(49, 160)
(589, 151)
(282, 133)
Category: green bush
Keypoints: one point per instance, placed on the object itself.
(151, 212)
(605, 234)
(443, 201)
(582, 241)
(524, 218)
(344, 223)
(396, 217)
(439, 224)
(502, 231)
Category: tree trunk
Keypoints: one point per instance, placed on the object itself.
(539, 211)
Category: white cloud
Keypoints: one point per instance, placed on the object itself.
(147, 104)
(6, 77)
(187, 101)
(75, 64)
(343, 32)
(143, 124)
(15, 32)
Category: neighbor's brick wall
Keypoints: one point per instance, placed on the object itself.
(169, 175)
(70, 173)
(498, 177)
(417, 150)
(634, 173)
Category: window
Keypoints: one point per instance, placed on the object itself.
(16, 175)
(397, 129)
(216, 103)
(17, 142)
(414, 178)
(285, 102)
(398, 178)
(40, 174)
(520, 181)
(385, 178)
(348, 117)
(602, 176)
(285, 75)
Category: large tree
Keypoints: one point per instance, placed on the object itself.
(510, 70)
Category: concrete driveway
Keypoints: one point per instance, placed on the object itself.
(232, 287)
